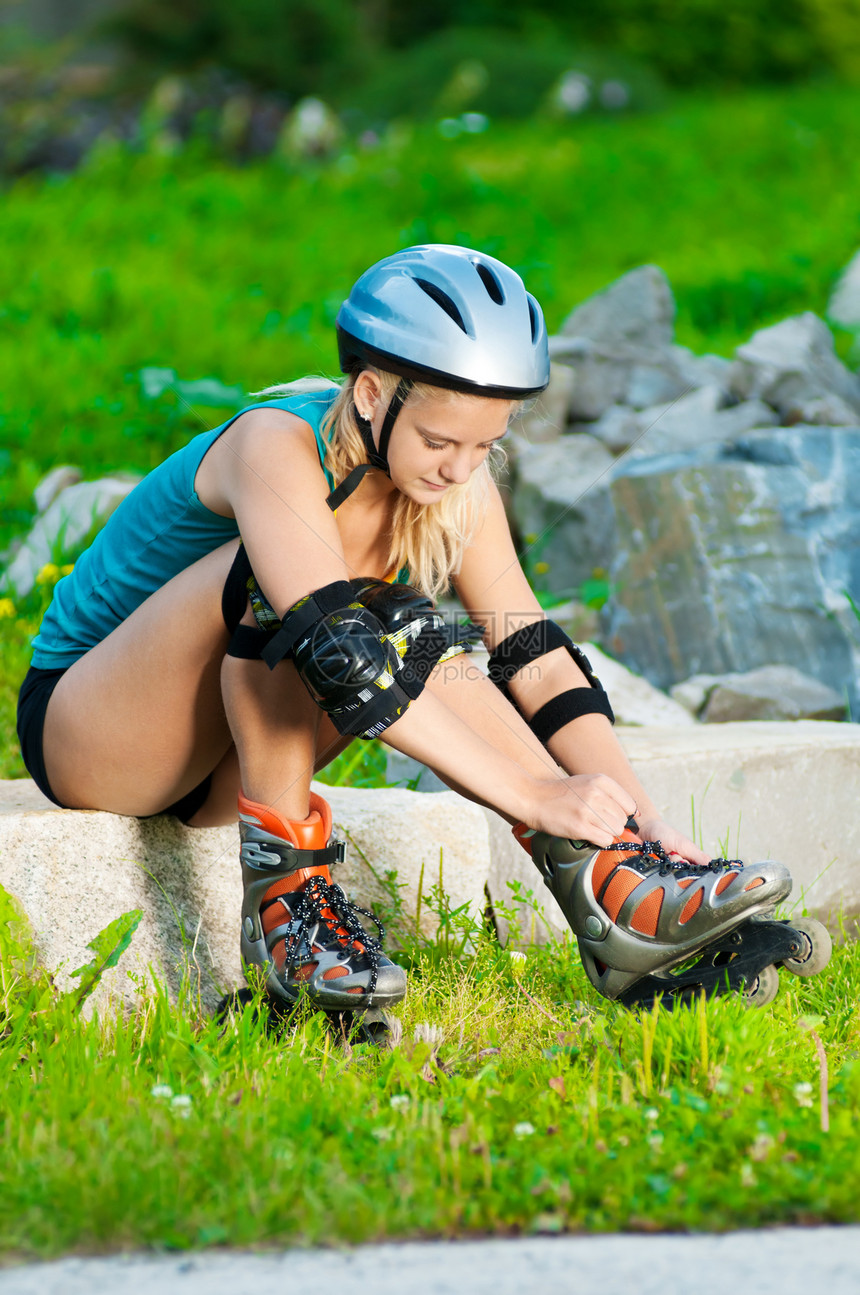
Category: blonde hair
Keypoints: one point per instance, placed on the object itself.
(428, 539)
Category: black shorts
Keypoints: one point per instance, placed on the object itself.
(33, 701)
(39, 684)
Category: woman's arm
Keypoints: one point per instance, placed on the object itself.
(265, 472)
(495, 592)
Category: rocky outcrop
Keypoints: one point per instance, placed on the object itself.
(742, 561)
(724, 508)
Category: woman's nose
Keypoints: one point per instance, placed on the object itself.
(458, 468)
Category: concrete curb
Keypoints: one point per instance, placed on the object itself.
(784, 1261)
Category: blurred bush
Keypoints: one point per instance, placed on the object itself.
(500, 74)
(330, 47)
(298, 47)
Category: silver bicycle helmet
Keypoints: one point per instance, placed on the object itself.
(446, 315)
(449, 316)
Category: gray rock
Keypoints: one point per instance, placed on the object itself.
(619, 345)
(547, 418)
(741, 562)
(75, 514)
(702, 370)
(606, 375)
(772, 692)
(617, 428)
(600, 375)
(562, 500)
(791, 363)
(637, 309)
(653, 380)
(826, 411)
(51, 485)
(312, 129)
(844, 305)
(692, 693)
(697, 419)
(634, 700)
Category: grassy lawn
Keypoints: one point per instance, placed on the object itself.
(516, 1103)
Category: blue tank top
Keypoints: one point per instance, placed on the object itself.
(158, 530)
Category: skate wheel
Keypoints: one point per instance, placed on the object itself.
(235, 1003)
(762, 989)
(818, 948)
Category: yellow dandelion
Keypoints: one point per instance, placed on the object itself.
(7, 609)
(541, 568)
(49, 574)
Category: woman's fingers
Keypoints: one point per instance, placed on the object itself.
(674, 842)
(588, 807)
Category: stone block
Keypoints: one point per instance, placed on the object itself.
(75, 871)
(766, 790)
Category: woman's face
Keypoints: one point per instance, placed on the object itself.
(439, 441)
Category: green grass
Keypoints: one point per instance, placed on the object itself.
(513, 1105)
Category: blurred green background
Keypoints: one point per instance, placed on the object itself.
(171, 198)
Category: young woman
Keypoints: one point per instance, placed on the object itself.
(265, 596)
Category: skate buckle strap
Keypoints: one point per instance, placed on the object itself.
(269, 853)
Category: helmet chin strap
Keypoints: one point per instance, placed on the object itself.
(376, 458)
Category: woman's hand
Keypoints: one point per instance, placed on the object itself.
(587, 807)
(673, 842)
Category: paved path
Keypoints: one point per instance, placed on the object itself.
(788, 1261)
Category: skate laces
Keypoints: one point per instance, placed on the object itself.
(324, 901)
(664, 862)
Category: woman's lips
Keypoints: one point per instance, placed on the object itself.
(431, 486)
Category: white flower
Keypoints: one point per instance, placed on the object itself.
(655, 1142)
(651, 1113)
(803, 1094)
(518, 963)
(425, 1033)
(382, 1134)
(182, 1105)
(524, 1130)
(748, 1178)
(162, 1090)
(399, 1100)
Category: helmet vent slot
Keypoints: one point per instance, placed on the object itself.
(442, 299)
(491, 283)
(533, 316)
